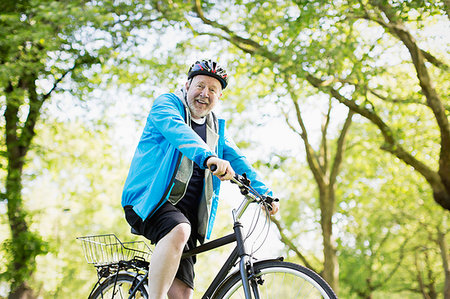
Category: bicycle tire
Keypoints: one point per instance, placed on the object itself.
(279, 280)
(112, 288)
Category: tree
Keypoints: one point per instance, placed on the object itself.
(390, 243)
(77, 172)
(325, 152)
(43, 44)
(324, 164)
(327, 45)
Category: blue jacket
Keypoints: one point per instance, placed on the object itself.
(162, 157)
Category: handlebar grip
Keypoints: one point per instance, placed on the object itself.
(213, 167)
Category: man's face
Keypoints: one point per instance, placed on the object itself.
(203, 92)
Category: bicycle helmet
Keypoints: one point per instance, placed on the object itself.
(210, 68)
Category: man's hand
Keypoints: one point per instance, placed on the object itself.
(275, 207)
(224, 170)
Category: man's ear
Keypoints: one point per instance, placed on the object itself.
(187, 84)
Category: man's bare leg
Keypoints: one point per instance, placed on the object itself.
(166, 259)
(180, 290)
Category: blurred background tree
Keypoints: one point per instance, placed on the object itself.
(49, 48)
(77, 79)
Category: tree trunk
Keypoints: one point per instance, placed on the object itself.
(22, 292)
(445, 262)
(23, 245)
(331, 265)
(441, 185)
(318, 162)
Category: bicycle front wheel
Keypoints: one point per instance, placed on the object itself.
(277, 279)
(119, 287)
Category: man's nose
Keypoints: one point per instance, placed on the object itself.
(205, 93)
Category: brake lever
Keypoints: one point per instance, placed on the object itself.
(243, 182)
(269, 200)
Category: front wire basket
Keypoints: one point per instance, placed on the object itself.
(102, 250)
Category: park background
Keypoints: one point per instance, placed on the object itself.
(343, 106)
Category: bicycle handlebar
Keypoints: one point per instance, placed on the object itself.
(247, 190)
(239, 180)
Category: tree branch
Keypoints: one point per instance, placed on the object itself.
(398, 263)
(340, 149)
(434, 61)
(395, 101)
(434, 101)
(246, 44)
(398, 30)
(445, 260)
(311, 156)
(439, 181)
(390, 144)
(233, 36)
(57, 81)
(291, 245)
(324, 146)
(401, 101)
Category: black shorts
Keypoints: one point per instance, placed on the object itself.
(160, 224)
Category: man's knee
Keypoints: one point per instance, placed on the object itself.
(180, 233)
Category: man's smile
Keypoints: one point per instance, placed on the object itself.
(202, 101)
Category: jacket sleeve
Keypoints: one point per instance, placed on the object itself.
(167, 116)
(241, 165)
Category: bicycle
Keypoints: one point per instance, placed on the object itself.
(122, 268)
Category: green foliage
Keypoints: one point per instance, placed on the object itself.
(24, 246)
(42, 44)
(384, 218)
(50, 39)
(74, 189)
(74, 172)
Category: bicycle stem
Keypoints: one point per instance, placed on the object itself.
(237, 213)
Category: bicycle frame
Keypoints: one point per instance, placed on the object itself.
(248, 276)
(239, 253)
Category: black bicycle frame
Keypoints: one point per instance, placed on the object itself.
(140, 282)
(239, 252)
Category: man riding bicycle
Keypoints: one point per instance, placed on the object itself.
(170, 195)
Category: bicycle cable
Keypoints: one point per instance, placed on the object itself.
(244, 184)
(265, 230)
(261, 238)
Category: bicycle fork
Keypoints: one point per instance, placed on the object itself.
(244, 265)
